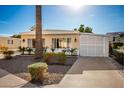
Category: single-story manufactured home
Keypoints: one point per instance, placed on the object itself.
(89, 44)
(11, 43)
(52, 39)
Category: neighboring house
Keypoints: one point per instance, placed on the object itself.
(89, 44)
(52, 39)
(116, 37)
(11, 43)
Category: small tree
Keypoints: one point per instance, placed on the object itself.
(33, 28)
(53, 49)
(29, 50)
(75, 29)
(88, 30)
(84, 29)
(16, 36)
(22, 49)
(81, 28)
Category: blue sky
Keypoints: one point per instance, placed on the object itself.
(103, 19)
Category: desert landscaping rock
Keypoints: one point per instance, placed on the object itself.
(18, 66)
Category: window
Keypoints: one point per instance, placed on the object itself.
(54, 43)
(61, 42)
(10, 41)
(69, 40)
(29, 43)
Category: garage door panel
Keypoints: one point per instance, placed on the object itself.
(83, 50)
(99, 51)
(93, 45)
(91, 50)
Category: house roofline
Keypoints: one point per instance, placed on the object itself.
(94, 34)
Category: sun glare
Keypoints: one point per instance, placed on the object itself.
(76, 7)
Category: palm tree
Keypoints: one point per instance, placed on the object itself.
(32, 28)
(38, 45)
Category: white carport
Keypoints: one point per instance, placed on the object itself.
(94, 45)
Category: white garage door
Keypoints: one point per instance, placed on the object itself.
(93, 45)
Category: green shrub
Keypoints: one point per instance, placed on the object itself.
(72, 50)
(22, 49)
(53, 49)
(61, 58)
(8, 54)
(117, 45)
(3, 48)
(119, 56)
(45, 49)
(38, 70)
(47, 57)
(64, 51)
(29, 50)
(58, 58)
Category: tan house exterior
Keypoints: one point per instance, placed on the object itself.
(11, 43)
(87, 44)
(52, 39)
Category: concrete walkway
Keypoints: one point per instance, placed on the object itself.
(8, 80)
(92, 73)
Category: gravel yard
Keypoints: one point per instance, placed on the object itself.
(18, 66)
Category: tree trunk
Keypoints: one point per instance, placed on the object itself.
(38, 45)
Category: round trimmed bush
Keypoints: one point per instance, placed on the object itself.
(38, 70)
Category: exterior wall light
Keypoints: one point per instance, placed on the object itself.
(23, 40)
(75, 40)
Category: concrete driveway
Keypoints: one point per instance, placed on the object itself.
(93, 72)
